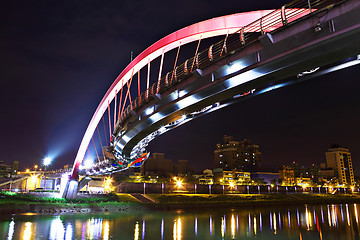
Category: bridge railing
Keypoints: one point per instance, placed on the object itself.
(231, 43)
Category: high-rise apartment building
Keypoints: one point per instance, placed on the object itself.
(339, 159)
(241, 155)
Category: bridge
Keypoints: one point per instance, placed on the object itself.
(258, 52)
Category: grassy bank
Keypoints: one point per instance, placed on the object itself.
(21, 203)
(195, 201)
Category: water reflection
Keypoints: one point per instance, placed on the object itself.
(69, 232)
(233, 226)
(106, 230)
(136, 231)
(11, 230)
(309, 222)
(223, 226)
(27, 231)
(356, 214)
(143, 230)
(177, 229)
(196, 226)
(162, 229)
(56, 229)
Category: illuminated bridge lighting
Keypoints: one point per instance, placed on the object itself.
(123, 125)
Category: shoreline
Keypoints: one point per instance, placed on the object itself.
(127, 204)
(244, 200)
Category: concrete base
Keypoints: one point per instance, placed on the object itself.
(71, 189)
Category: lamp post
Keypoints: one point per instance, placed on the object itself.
(46, 162)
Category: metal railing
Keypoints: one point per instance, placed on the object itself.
(231, 43)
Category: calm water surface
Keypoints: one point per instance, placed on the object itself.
(296, 222)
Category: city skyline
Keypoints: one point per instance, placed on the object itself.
(55, 78)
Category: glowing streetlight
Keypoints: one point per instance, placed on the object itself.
(47, 161)
(178, 184)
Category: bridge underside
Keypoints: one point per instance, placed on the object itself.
(287, 53)
(317, 43)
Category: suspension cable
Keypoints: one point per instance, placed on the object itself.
(127, 92)
(224, 45)
(138, 73)
(129, 85)
(87, 149)
(148, 80)
(100, 140)
(196, 52)
(177, 55)
(95, 149)
(107, 143)
(160, 70)
(121, 91)
(115, 109)
(109, 122)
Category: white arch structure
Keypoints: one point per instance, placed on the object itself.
(210, 28)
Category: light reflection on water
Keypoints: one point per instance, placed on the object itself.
(302, 222)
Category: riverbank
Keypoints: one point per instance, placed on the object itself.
(12, 203)
(203, 201)
(23, 203)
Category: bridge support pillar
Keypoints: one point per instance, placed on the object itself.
(73, 186)
(71, 189)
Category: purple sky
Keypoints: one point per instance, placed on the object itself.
(58, 59)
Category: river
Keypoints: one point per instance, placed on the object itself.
(276, 222)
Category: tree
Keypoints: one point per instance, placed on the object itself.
(274, 182)
(259, 181)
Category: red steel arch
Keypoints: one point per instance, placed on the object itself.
(205, 29)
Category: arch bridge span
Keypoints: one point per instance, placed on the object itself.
(260, 51)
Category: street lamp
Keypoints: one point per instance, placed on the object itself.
(46, 162)
(178, 184)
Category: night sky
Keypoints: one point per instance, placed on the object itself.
(58, 58)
